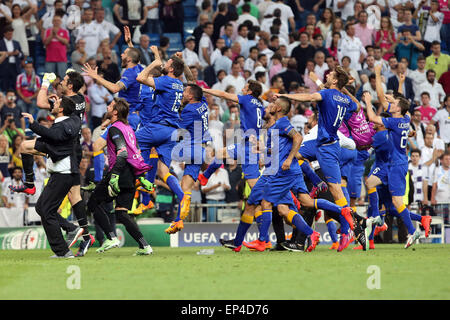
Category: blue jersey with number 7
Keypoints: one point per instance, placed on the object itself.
(251, 114)
(333, 109)
(398, 133)
(169, 93)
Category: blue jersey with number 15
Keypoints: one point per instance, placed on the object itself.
(251, 113)
(333, 109)
(169, 92)
(398, 133)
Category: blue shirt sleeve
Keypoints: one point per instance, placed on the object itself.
(128, 77)
(388, 123)
(161, 83)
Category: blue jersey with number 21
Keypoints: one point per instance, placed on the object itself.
(333, 109)
(398, 133)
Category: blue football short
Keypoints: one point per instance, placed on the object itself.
(328, 157)
(160, 137)
(357, 172)
(248, 160)
(397, 179)
(381, 171)
(346, 161)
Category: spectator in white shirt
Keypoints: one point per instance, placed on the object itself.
(442, 118)
(99, 97)
(251, 60)
(220, 43)
(287, 16)
(206, 47)
(352, 47)
(153, 24)
(345, 7)
(13, 199)
(92, 32)
(107, 26)
(418, 174)
(215, 191)
(434, 88)
(235, 79)
(242, 39)
(246, 16)
(441, 182)
(321, 65)
(224, 61)
(190, 57)
(433, 27)
(263, 46)
(418, 76)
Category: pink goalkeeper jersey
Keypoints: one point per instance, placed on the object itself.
(362, 130)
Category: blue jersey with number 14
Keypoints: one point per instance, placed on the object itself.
(169, 92)
(251, 112)
(333, 109)
(398, 133)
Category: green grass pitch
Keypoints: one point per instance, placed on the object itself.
(421, 272)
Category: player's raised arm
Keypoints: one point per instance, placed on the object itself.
(346, 92)
(379, 87)
(127, 36)
(302, 97)
(222, 94)
(144, 77)
(113, 87)
(187, 71)
(367, 98)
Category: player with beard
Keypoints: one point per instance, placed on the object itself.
(125, 166)
(71, 85)
(127, 87)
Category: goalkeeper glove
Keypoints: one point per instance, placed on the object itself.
(90, 187)
(113, 186)
(147, 184)
(48, 79)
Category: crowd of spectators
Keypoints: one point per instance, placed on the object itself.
(277, 43)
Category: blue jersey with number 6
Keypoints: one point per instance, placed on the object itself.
(333, 109)
(398, 133)
(169, 92)
(251, 113)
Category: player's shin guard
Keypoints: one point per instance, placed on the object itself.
(28, 163)
(327, 205)
(309, 172)
(373, 203)
(244, 224)
(297, 220)
(331, 226)
(405, 214)
(265, 225)
(216, 164)
(131, 227)
(79, 211)
(174, 185)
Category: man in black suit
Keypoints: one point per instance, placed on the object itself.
(11, 67)
(392, 84)
(144, 49)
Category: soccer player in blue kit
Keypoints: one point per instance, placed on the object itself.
(160, 123)
(398, 127)
(251, 113)
(333, 106)
(127, 87)
(195, 134)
